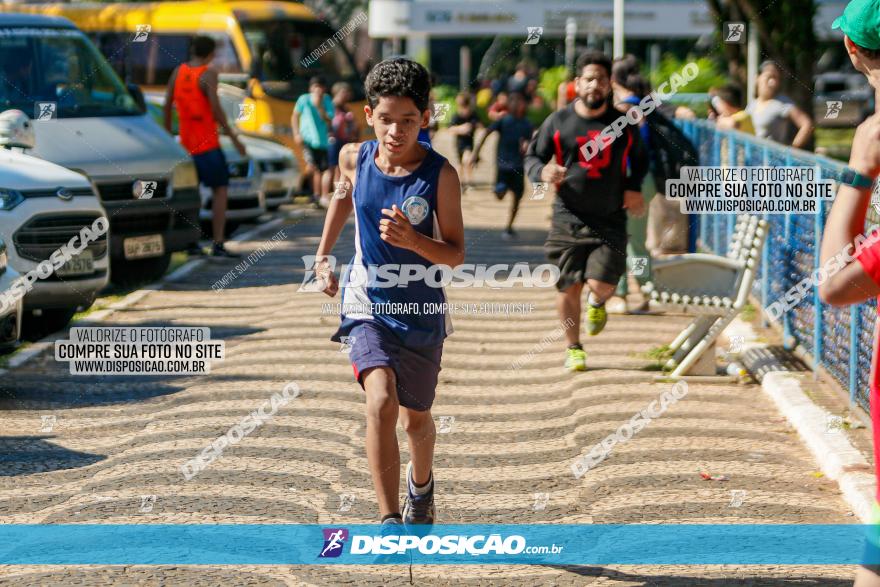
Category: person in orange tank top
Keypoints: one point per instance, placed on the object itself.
(192, 89)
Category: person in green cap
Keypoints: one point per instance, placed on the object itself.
(844, 244)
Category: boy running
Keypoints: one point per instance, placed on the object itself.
(312, 117)
(588, 237)
(407, 203)
(192, 90)
(514, 132)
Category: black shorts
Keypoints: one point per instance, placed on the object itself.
(582, 253)
(212, 169)
(510, 179)
(316, 157)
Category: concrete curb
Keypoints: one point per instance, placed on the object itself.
(836, 456)
(134, 297)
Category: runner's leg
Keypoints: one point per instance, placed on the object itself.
(568, 306)
(218, 212)
(601, 290)
(422, 435)
(383, 453)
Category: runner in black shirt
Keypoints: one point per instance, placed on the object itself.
(587, 238)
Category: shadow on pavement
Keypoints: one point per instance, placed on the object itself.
(26, 455)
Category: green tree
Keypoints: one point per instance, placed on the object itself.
(786, 35)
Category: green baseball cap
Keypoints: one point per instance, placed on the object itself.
(860, 22)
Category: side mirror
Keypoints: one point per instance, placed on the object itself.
(138, 96)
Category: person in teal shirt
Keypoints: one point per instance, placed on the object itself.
(312, 116)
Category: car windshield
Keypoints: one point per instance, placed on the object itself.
(58, 73)
(279, 48)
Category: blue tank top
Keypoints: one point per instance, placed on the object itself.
(416, 195)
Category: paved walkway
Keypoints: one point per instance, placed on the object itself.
(515, 432)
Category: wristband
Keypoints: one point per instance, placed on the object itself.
(853, 178)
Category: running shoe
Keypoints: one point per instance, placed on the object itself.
(392, 527)
(576, 360)
(418, 509)
(596, 319)
(219, 250)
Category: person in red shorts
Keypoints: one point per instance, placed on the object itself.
(852, 260)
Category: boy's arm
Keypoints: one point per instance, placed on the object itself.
(169, 98)
(337, 215)
(855, 282)
(208, 82)
(294, 123)
(449, 248)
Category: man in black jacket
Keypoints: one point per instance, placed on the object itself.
(595, 189)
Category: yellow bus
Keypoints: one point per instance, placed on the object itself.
(262, 46)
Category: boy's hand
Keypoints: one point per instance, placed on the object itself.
(553, 173)
(634, 203)
(326, 278)
(397, 229)
(865, 156)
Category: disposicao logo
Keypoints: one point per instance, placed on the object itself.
(334, 540)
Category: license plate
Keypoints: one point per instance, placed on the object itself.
(241, 185)
(272, 185)
(82, 264)
(141, 247)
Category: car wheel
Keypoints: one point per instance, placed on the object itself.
(35, 327)
(126, 273)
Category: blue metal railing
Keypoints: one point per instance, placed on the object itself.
(838, 339)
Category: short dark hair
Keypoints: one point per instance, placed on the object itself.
(626, 71)
(871, 54)
(317, 79)
(593, 57)
(202, 46)
(399, 76)
(732, 94)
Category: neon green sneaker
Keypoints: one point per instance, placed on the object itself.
(596, 319)
(576, 360)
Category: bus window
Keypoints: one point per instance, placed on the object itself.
(150, 63)
(280, 49)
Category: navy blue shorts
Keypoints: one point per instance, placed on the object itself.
(417, 369)
(212, 169)
(333, 152)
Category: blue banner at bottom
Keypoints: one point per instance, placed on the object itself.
(310, 544)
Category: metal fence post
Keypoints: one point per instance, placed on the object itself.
(817, 303)
(855, 319)
(786, 255)
(765, 255)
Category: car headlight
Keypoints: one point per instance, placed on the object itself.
(9, 199)
(185, 176)
(3, 257)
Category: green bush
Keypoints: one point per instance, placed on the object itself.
(548, 85)
(708, 76)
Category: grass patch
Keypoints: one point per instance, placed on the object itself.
(659, 355)
(836, 141)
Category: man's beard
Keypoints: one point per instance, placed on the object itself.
(597, 103)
